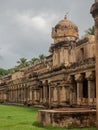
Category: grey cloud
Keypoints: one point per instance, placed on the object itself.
(25, 25)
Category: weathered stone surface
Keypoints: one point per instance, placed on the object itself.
(72, 117)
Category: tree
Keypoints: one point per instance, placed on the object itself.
(11, 70)
(90, 31)
(22, 63)
(3, 72)
(42, 57)
(34, 59)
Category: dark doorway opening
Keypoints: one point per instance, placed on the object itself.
(85, 88)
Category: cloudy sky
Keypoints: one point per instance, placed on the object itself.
(25, 25)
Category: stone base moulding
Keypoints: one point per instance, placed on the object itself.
(76, 117)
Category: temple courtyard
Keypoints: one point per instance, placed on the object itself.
(24, 118)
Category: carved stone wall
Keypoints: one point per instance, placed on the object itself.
(72, 118)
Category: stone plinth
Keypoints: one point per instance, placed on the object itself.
(76, 117)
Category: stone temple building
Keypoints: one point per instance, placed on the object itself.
(64, 78)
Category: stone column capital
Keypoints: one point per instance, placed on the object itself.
(90, 76)
(70, 79)
(79, 78)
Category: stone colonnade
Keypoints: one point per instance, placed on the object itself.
(3, 96)
(40, 93)
(86, 88)
(78, 89)
(19, 93)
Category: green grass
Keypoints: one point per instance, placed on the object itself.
(23, 118)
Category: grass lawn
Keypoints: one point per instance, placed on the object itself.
(23, 118)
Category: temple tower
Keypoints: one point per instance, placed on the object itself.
(94, 12)
(64, 34)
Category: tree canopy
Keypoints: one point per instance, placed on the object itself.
(90, 31)
(3, 72)
(22, 62)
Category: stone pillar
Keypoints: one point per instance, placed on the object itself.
(72, 89)
(91, 92)
(51, 94)
(79, 92)
(20, 94)
(12, 94)
(44, 93)
(9, 95)
(30, 93)
(41, 94)
(17, 94)
(63, 94)
(12, 99)
(79, 80)
(66, 57)
(55, 94)
(94, 12)
(24, 94)
(58, 94)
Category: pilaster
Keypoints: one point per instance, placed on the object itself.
(91, 87)
(79, 79)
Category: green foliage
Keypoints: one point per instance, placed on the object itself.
(24, 118)
(42, 57)
(37, 59)
(90, 31)
(22, 63)
(34, 59)
(3, 72)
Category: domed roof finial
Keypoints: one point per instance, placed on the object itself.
(65, 17)
(64, 29)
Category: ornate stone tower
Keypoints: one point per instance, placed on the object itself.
(63, 34)
(94, 12)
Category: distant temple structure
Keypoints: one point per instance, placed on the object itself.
(64, 78)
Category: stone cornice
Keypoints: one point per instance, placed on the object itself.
(59, 44)
(82, 41)
(91, 77)
(81, 66)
